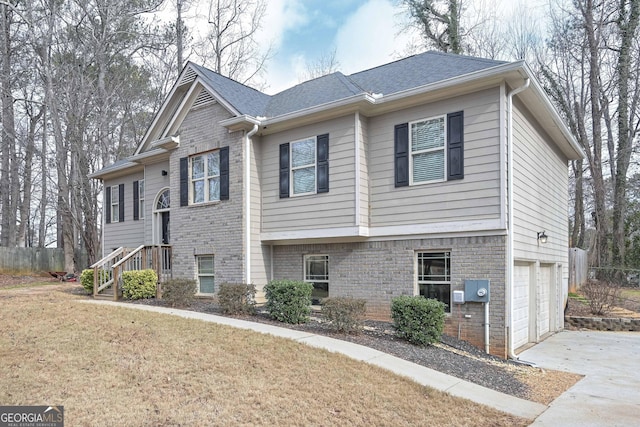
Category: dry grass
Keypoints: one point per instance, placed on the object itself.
(115, 366)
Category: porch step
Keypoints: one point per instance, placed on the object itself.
(105, 296)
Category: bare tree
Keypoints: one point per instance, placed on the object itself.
(628, 121)
(326, 63)
(439, 21)
(230, 48)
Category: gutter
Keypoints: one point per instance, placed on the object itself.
(247, 201)
(510, 258)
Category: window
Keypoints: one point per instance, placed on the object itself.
(304, 166)
(427, 150)
(316, 271)
(434, 276)
(115, 204)
(141, 199)
(204, 177)
(206, 277)
(138, 199)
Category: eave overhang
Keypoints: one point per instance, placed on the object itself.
(371, 105)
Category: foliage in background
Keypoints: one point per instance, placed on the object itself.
(289, 301)
(417, 319)
(344, 314)
(139, 284)
(237, 298)
(179, 292)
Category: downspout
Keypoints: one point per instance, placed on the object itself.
(510, 259)
(247, 201)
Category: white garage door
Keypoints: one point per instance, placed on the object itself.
(544, 300)
(521, 283)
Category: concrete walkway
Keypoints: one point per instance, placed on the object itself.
(420, 374)
(609, 395)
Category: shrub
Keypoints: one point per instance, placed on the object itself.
(179, 292)
(139, 284)
(86, 279)
(237, 298)
(602, 295)
(344, 314)
(289, 301)
(417, 319)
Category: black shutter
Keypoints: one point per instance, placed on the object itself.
(224, 173)
(322, 148)
(401, 151)
(184, 181)
(121, 202)
(136, 201)
(284, 170)
(455, 145)
(107, 205)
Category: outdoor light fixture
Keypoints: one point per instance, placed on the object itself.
(542, 237)
(164, 173)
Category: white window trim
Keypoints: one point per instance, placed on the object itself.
(141, 199)
(198, 275)
(418, 282)
(205, 178)
(115, 203)
(305, 268)
(315, 166)
(444, 149)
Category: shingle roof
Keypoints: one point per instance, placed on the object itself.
(243, 98)
(411, 72)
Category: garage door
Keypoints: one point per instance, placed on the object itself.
(544, 300)
(521, 283)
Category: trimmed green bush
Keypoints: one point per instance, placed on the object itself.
(289, 301)
(86, 279)
(417, 319)
(237, 298)
(344, 314)
(139, 284)
(179, 292)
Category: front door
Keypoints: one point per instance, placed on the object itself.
(165, 227)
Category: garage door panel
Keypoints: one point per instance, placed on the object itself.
(521, 284)
(544, 300)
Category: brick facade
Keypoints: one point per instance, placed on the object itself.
(380, 271)
(209, 228)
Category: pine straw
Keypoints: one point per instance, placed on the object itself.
(116, 366)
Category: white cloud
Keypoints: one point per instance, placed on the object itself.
(370, 37)
(282, 16)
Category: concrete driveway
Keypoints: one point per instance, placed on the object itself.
(609, 395)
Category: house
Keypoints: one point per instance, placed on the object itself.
(430, 175)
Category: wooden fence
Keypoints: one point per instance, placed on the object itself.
(35, 260)
(578, 268)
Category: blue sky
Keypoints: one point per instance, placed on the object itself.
(364, 33)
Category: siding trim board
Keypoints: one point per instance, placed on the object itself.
(491, 226)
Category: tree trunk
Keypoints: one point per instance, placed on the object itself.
(8, 173)
(627, 26)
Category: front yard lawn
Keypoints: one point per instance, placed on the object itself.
(116, 366)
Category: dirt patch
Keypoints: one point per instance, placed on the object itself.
(580, 308)
(8, 281)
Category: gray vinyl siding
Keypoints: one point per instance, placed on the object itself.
(541, 182)
(326, 210)
(153, 184)
(209, 228)
(476, 197)
(363, 185)
(260, 254)
(129, 233)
